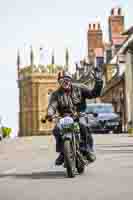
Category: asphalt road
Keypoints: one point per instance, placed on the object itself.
(27, 171)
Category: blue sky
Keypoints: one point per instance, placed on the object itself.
(53, 24)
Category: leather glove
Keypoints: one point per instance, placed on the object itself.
(44, 119)
(49, 118)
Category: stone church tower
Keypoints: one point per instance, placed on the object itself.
(35, 85)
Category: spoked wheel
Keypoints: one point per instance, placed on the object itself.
(80, 165)
(69, 159)
(80, 169)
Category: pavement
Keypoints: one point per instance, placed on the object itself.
(27, 170)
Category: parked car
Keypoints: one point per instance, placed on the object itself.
(103, 118)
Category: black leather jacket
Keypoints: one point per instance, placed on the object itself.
(74, 101)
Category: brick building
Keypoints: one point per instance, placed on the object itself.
(95, 44)
(114, 88)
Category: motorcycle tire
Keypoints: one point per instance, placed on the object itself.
(80, 167)
(69, 159)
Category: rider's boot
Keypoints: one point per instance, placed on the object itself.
(60, 159)
(90, 155)
(90, 152)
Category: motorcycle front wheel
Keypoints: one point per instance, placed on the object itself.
(69, 159)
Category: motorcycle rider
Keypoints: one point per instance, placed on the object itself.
(71, 96)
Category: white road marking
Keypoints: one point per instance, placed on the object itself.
(9, 171)
(44, 147)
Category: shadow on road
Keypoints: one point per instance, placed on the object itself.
(37, 175)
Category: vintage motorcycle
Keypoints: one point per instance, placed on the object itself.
(70, 134)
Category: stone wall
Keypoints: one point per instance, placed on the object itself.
(34, 92)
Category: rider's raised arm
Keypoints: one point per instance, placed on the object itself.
(92, 93)
(53, 104)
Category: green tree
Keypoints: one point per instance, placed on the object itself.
(6, 131)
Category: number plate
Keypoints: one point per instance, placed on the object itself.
(67, 135)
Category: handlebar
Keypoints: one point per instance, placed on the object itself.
(75, 117)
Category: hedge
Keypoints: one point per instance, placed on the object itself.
(6, 131)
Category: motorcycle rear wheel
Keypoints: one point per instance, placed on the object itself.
(80, 167)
